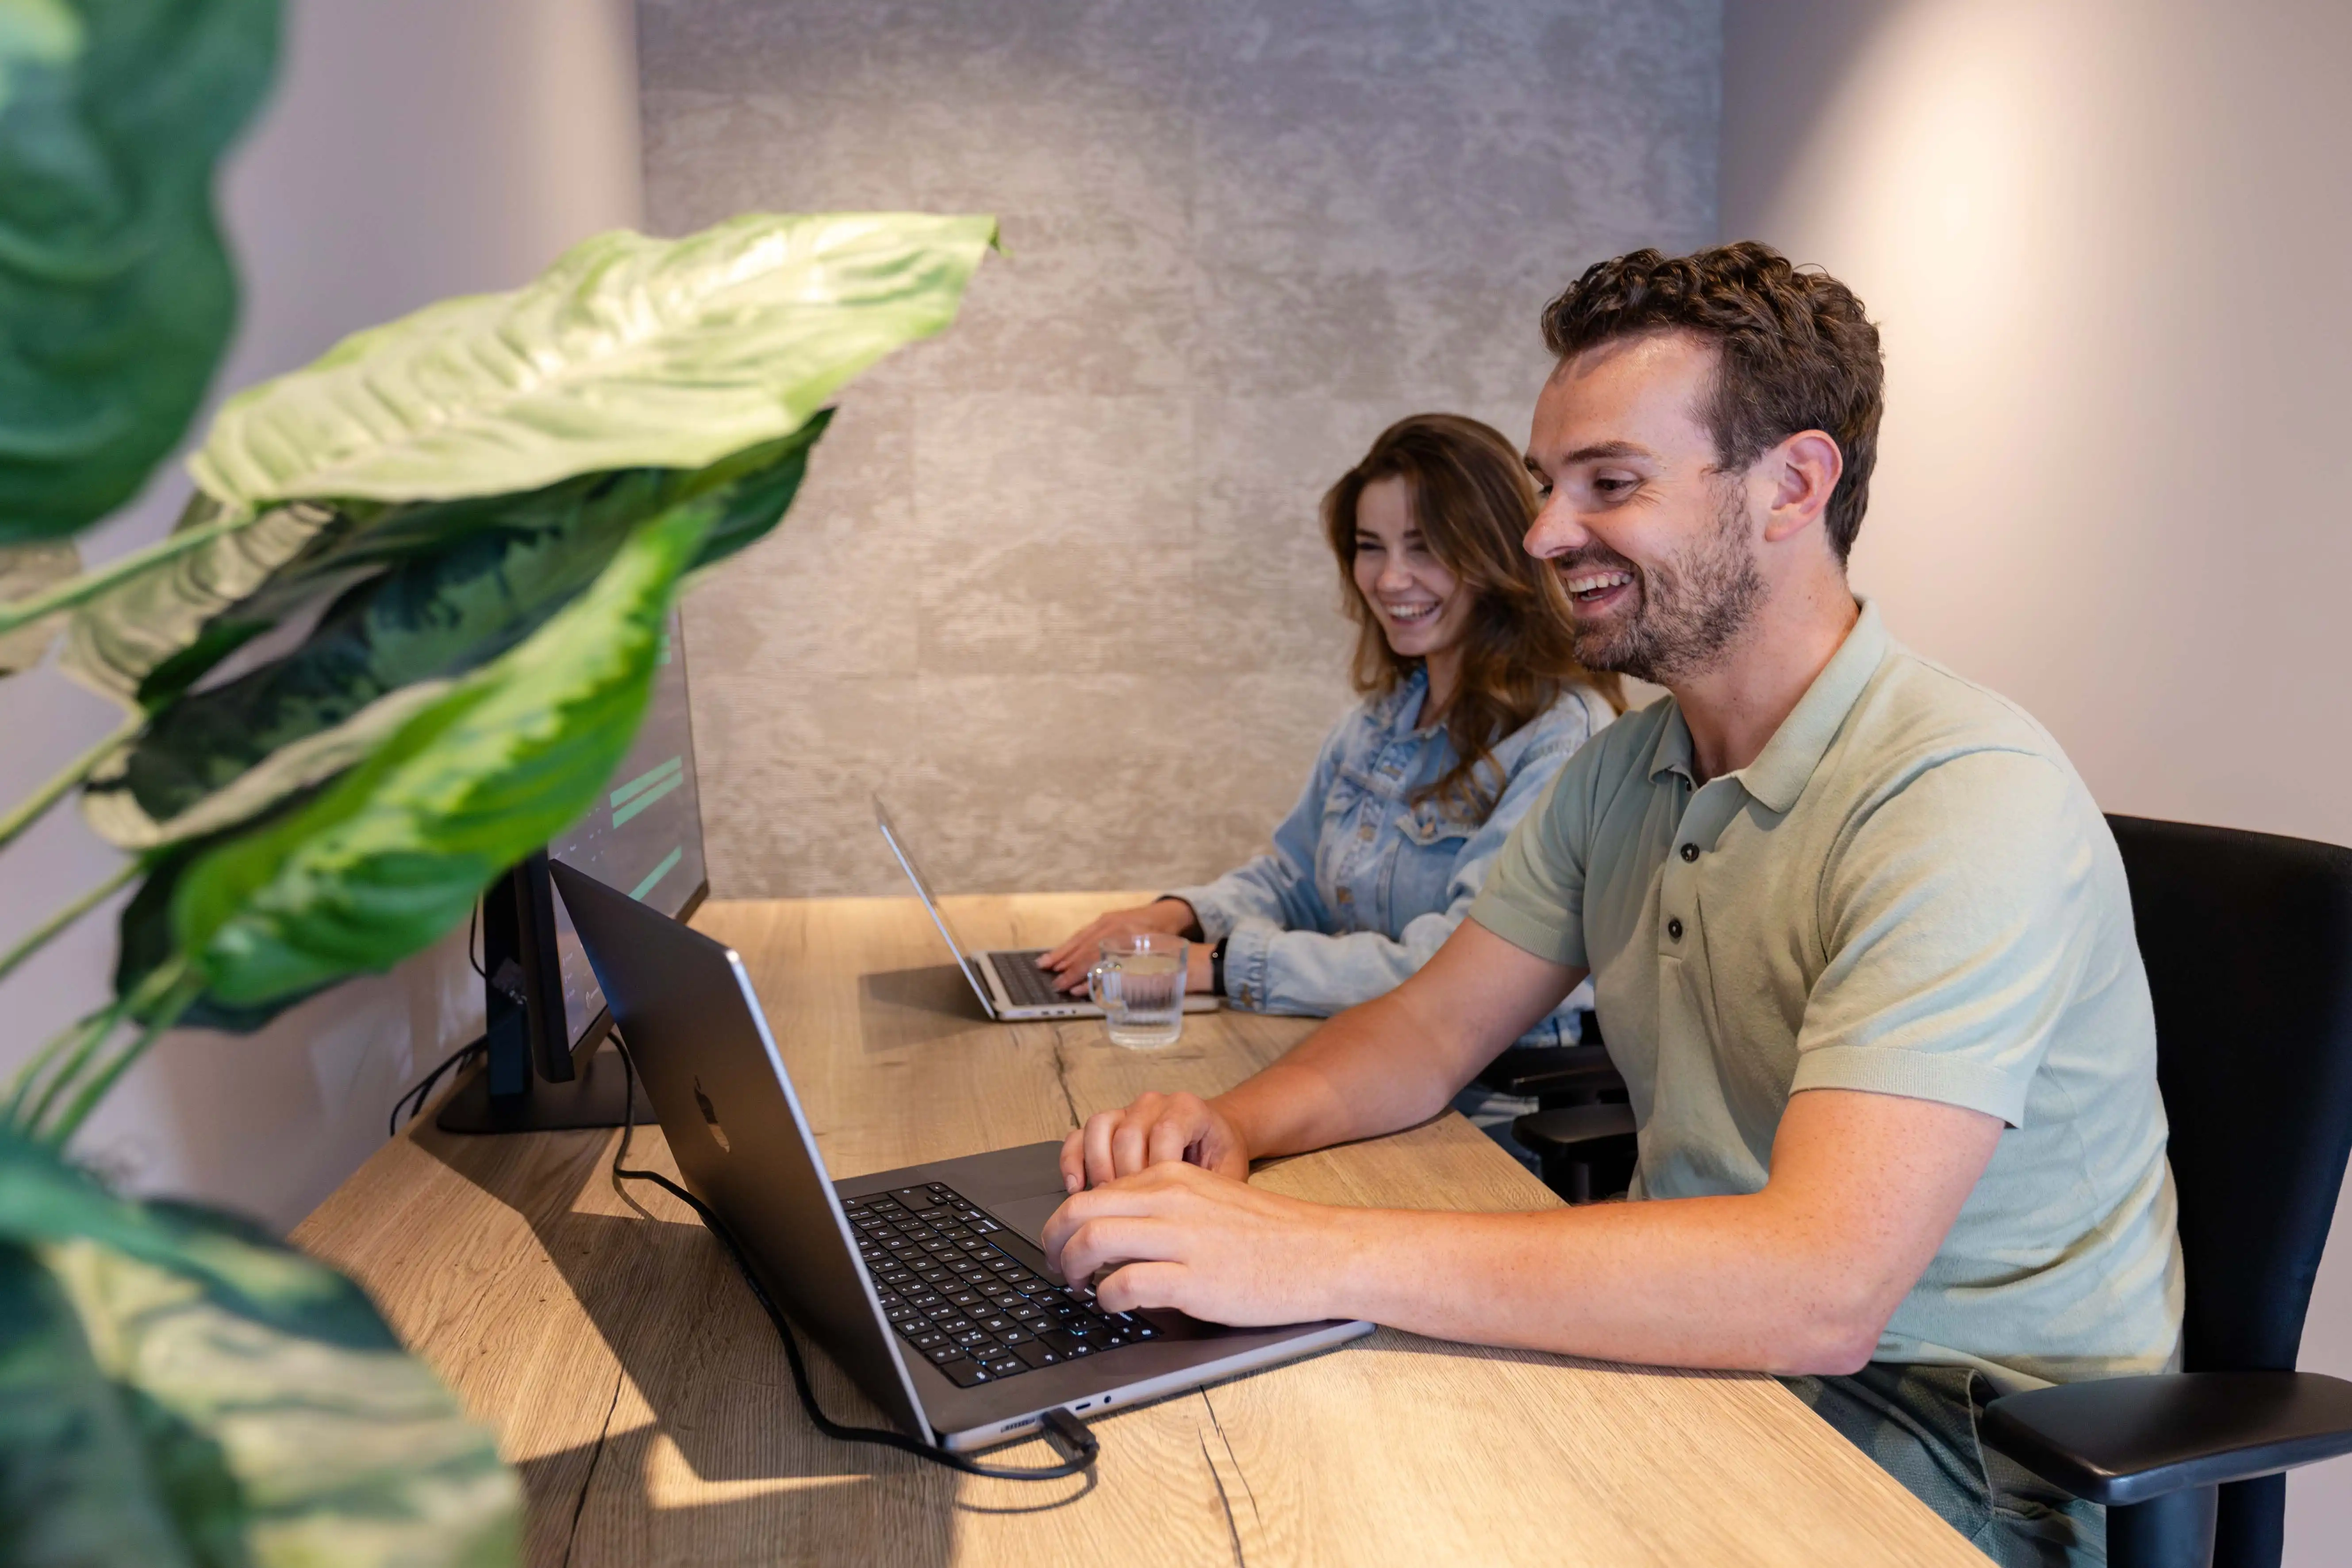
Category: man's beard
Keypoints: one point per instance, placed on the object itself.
(1691, 610)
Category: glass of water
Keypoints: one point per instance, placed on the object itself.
(1139, 986)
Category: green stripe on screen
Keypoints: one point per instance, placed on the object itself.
(669, 864)
(645, 781)
(622, 813)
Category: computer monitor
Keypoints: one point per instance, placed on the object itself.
(545, 1019)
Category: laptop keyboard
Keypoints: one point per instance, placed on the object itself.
(1028, 985)
(973, 1310)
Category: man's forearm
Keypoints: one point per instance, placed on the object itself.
(1398, 1058)
(1363, 1073)
(1798, 1278)
(1645, 1282)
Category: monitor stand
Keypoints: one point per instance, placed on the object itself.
(593, 1099)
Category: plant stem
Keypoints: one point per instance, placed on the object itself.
(96, 1031)
(90, 585)
(29, 811)
(76, 1043)
(40, 936)
(179, 987)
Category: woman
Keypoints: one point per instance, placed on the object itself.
(1473, 701)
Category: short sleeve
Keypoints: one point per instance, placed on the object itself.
(1958, 918)
(1534, 897)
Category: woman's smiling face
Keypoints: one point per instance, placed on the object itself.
(1421, 607)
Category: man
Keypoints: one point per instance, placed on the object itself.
(1861, 948)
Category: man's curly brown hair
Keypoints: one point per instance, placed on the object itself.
(1794, 352)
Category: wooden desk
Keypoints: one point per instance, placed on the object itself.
(634, 1382)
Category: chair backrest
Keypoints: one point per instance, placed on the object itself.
(2248, 943)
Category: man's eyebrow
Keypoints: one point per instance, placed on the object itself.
(1603, 449)
(1598, 452)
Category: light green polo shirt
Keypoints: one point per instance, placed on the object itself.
(1909, 893)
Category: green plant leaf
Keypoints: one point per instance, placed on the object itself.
(25, 570)
(175, 1387)
(628, 353)
(75, 1487)
(37, 37)
(117, 641)
(393, 853)
(490, 571)
(116, 298)
(113, 810)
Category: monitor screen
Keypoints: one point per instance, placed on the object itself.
(643, 835)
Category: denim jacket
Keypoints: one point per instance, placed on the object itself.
(1363, 885)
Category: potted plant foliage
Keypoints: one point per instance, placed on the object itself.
(405, 629)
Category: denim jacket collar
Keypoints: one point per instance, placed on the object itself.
(1400, 711)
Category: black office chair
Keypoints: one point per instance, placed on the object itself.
(1581, 1131)
(2248, 943)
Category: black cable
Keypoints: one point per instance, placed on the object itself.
(425, 1089)
(1065, 1431)
(425, 1086)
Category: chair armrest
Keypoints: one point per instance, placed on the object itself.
(1575, 1129)
(2122, 1440)
(1535, 1071)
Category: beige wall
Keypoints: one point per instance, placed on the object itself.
(2105, 243)
(1055, 585)
(430, 148)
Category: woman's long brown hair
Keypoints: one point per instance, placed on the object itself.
(1472, 499)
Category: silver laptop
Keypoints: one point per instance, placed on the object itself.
(1010, 985)
(927, 1285)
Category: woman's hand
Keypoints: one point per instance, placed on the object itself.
(1070, 961)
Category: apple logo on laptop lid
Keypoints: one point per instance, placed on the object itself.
(718, 1133)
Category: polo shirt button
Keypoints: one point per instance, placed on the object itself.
(1690, 851)
(1674, 929)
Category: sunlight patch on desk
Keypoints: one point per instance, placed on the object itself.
(671, 1481)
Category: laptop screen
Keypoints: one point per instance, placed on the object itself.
(906, 857)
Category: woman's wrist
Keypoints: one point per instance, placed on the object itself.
(1168, 907)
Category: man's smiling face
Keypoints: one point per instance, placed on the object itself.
(1654, 544)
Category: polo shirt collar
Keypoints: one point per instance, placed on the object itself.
(1779, 773)
(1670, 752)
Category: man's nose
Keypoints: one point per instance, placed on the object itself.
(1556, 531)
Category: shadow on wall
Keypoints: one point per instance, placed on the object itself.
(1761, 124)
(319, 1080)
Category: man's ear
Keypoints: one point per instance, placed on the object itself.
(1803, 469)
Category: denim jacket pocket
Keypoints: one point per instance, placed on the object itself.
(1432, 823)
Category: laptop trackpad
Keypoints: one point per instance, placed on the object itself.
(1028, 1215)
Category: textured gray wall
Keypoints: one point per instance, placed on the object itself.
(1055, 584)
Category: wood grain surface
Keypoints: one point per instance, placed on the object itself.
(636, 1384)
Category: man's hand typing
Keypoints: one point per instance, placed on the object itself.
(1176, 1235)
(1156, 1129)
